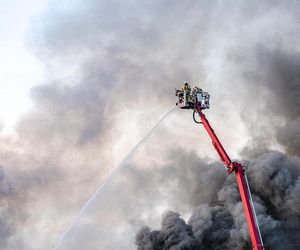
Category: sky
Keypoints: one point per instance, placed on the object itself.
(82, 82)
(16, 17)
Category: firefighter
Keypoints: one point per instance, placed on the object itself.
(187, 90)
(186, 87)
(196, 89)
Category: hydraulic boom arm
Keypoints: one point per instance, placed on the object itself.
(198, 100)
(236, 167)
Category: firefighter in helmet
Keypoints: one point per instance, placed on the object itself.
(187, 91)
(186, 87)
(196, 89)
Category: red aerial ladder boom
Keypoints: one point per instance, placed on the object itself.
(198, 100)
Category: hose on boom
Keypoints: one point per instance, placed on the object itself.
(194, 118)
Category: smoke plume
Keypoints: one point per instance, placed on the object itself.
(110, 72)
(220, 223)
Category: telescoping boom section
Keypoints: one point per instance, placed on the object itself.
(198, 100)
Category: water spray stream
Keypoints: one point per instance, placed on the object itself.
(102, 187)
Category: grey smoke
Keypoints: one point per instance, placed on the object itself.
(221, 223)
(175, 234)
(111, 69)
(274, 176)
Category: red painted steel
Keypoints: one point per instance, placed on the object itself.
(240, 176)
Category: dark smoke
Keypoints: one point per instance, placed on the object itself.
(221, 224)
(175, 234)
